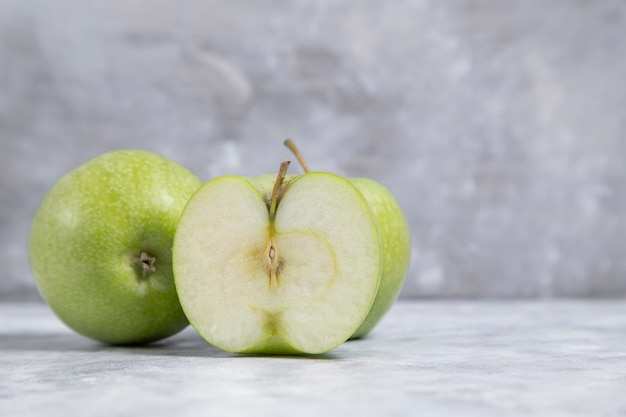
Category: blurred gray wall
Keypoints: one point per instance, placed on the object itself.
(499, 125)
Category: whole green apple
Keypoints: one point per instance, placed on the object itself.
(100, 246)
(396, 242)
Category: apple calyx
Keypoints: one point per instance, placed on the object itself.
(274, 263)
(146, 263)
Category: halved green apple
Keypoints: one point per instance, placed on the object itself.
(291, 266)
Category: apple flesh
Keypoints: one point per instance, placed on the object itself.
(100, 246)
(298, 280)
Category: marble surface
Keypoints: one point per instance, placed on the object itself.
(434, 358)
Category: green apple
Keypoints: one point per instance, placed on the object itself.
(100, 246)
(279, 267)
(396, 241)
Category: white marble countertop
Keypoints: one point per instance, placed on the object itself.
(429, 358)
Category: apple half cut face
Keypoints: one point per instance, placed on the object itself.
(299, 281)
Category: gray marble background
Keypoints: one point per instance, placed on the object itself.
(499, 125)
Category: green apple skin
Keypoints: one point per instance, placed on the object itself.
(327, 246)
(87, 239)
(396, 243)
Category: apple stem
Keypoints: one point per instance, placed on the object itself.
(271, 251)
(289, 143)
(282, 172)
